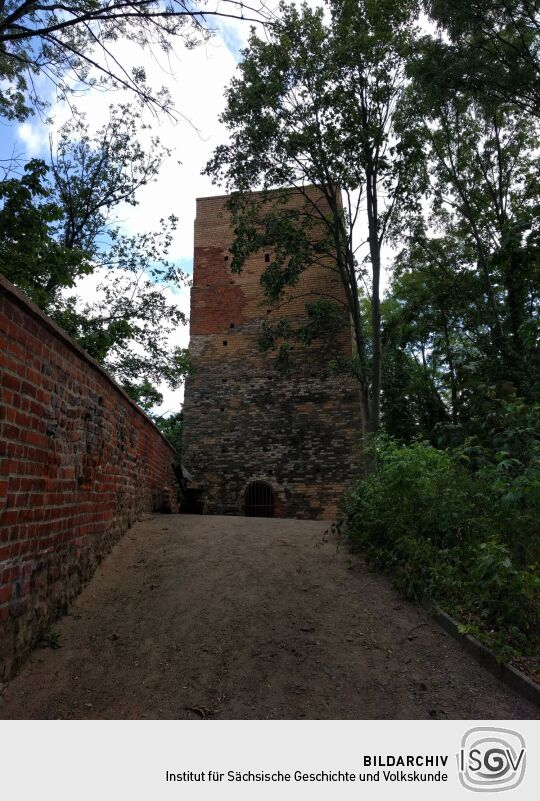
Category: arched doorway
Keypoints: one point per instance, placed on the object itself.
(259, 500)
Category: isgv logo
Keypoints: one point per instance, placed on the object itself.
(491, 759)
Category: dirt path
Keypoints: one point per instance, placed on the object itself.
(232, 617)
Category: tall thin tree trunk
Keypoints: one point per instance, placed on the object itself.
(453, 379)
(375, 255)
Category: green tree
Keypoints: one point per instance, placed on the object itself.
(315, 105)
(415, 398)
(171, 426)
(31, 255)
(59, 222)
(72, 44)
(486, 47)
(472, 259)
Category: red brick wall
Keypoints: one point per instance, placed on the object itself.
(216, 298)
(79, 463)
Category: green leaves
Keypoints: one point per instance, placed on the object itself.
(446, 534)
(31, 255)
(488, 47)
(58, 223)
(171, 426)
(465, 285)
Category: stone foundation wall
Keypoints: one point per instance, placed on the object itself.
(79, 464)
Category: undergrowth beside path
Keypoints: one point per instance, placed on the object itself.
(459, 527)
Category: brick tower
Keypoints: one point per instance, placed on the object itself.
(262, 443)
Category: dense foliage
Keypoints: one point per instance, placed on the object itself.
(461, 527)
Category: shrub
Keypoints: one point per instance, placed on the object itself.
(465, 538)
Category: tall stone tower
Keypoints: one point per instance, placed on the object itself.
(260, 442)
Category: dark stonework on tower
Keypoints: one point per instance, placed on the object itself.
(245, 422)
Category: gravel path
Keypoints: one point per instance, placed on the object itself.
(232, 617)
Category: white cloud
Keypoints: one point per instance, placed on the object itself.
(198, 91)
(34, 136)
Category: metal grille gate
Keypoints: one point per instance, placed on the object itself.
(259, 500)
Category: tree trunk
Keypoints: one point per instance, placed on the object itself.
(453, 379)
(375, 255)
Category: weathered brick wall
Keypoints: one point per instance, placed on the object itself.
(79, 463)
(243, 421)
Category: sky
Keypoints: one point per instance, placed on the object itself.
(197, 79)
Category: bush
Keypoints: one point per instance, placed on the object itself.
(462, 537)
